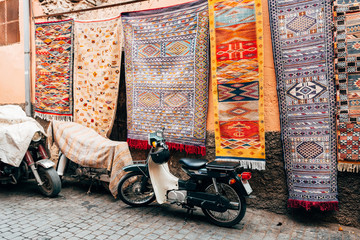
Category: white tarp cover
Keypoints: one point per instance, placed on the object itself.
(16, 132)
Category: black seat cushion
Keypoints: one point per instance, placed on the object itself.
(192, 163)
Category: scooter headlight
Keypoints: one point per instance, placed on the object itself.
(37, 136)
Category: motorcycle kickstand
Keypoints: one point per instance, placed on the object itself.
(89, 191)
(189, 213)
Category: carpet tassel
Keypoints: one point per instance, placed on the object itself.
(49, 117)
(323, 206)
(143, 145)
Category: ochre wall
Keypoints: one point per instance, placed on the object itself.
(12, 77)
(272, 120)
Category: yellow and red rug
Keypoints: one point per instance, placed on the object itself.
(237, 81)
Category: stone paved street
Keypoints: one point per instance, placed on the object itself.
(25, 214)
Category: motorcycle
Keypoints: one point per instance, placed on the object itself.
(86, 155)
(218, 188)
(22, 152)
(73, 170)
(35, 165)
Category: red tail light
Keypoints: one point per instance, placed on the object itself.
(246, 175)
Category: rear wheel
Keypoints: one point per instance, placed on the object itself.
(51, 182)
(135, 189)
(237, 209)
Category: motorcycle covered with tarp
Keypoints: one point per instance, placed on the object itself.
(22, 152)
(86, 155)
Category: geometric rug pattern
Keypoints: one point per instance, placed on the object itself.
(166, 66)
(237, 81)
(97, 73)
(303, 57)
(347, 69)
(54, 63)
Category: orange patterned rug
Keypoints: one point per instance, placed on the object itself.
(347, 71)
(237, 74)
(54, 79)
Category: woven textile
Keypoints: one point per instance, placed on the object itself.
(167, 75)
(54, 61)
(347, 22)
(237, 75)
(97, 73)
(87, 148)
(303, 55)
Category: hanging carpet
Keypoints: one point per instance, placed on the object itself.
(303, 54)
(237, 78)
(347, 22)
(87, 148)
(97, 73)
(166, 64)
(54, 62)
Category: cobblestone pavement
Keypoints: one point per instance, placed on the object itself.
(26, 214)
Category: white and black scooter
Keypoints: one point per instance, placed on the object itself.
(218, 188)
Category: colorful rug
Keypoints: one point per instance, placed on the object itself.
(166, 66)
(237, 77)
(54, 62)
(303, 55)
(347, 22)
(87, 148)
(97, 73)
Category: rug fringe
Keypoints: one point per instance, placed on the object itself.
(323, 206)
(138, 144)
(49, 117)
(247, 163)
(143, 145)
(189, 149)
(348, 167)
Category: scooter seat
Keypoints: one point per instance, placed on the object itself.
(192, 163)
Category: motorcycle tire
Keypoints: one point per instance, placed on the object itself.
(231, 216)
(135, 189)
(51, 182)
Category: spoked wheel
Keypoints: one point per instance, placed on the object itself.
(135, 189)
(231, 216)
(51, 182)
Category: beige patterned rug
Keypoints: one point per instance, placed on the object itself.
(97, 73)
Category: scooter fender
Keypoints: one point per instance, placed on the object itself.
(137, 168)
(45, 163)
(244, 188)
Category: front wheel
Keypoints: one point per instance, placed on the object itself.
(51, 182)
(136, 190)
(237, 209)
